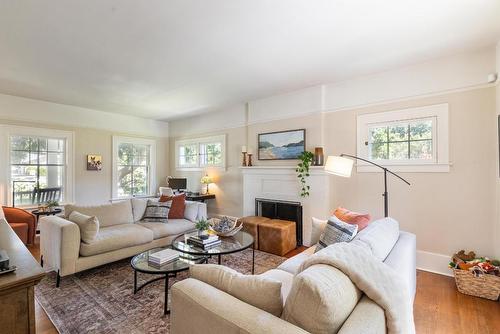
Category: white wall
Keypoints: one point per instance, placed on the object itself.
(497, 229)
(93, 132)
(328, 112)
(42, 112)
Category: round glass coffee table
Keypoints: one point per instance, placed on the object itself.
(140, 264)
(237, 243)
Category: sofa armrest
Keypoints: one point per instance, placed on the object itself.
(198, 307)
(59, 244)
(16, 215)
(367, 317)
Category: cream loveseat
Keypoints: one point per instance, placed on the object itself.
(320, 299)
(121, 234)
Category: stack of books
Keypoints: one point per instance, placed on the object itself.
(211, 242)
(163, 257)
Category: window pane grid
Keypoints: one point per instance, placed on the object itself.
(133, 169)
(402, 141)
(30, 168)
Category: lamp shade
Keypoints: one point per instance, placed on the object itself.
(206, 180)
(339, 166)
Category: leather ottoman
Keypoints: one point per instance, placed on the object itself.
(251, 225)
(277, 236)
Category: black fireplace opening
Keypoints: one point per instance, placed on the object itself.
(285, 210)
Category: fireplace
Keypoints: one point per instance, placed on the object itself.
(286, 210)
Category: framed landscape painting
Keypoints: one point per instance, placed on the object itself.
(282, 145)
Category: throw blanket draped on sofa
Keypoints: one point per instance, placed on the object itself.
(377, 280)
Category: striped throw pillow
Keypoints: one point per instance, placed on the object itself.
(336, 231)
(157, 212)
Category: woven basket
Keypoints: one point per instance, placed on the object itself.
(484, 286)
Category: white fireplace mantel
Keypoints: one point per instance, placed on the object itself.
(281, 183)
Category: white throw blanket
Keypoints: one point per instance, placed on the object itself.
(376, 279)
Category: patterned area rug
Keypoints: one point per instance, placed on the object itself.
(101, 300)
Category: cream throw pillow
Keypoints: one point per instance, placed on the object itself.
(261, 292)
(89, 226)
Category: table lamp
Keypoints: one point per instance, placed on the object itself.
(206, 180)
(341, 166)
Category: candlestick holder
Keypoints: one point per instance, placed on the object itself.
(249, 160)
(244, 161)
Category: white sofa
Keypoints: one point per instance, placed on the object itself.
(121, 234)
(198, 307)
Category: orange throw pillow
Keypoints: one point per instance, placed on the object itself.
(178, 205)
(351, 217)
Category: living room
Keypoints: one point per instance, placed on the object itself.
(346, 149)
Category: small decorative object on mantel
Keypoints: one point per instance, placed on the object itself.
(476, 276)
(202, 226)
(319, 157)
(306, 159)
(244, 153)
(249, 153)
(94, 162)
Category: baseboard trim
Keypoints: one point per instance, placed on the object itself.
(434, 263)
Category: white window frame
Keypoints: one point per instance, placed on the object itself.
(199, 141)
(7, 131)
(117, 140)
(440, 138)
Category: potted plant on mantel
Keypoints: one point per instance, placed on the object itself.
(202, 226)
(306, 158)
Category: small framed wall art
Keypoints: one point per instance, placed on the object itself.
(94, 162)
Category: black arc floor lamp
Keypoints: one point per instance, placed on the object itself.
(341, 166)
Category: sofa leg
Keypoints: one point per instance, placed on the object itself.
(58, 279)
(41, 260)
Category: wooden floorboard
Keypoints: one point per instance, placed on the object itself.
(439, 307)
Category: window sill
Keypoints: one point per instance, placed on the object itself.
(406, 168)
(199, 169)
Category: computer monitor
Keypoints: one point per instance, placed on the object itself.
(177, 183)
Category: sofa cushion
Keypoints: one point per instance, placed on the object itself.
(317, 228)
(380, 236)
(284, 277)
(172, 227)
(108, 214)
(2, 214)
(157, 212)
(191, 211)
(321, 299)
(139, 207)
(115, 237)
(89, 225)
(256, 290)
(351, 217)
(178, 205)
(292, 264)
(336, 231)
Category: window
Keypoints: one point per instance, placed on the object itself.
(402, 141)
(199, 153)
(408, 140)
(133, 167)
(39, 165)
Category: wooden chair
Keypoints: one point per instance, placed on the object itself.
(45, 195)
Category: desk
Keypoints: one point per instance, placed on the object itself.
(200, 198)
(17, 289)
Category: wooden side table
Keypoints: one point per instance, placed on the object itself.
(39, 213)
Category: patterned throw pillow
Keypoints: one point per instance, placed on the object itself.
(336, 231)
(157, 212)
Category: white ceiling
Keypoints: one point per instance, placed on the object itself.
(163, 59)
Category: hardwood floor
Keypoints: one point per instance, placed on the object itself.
(439, 307)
